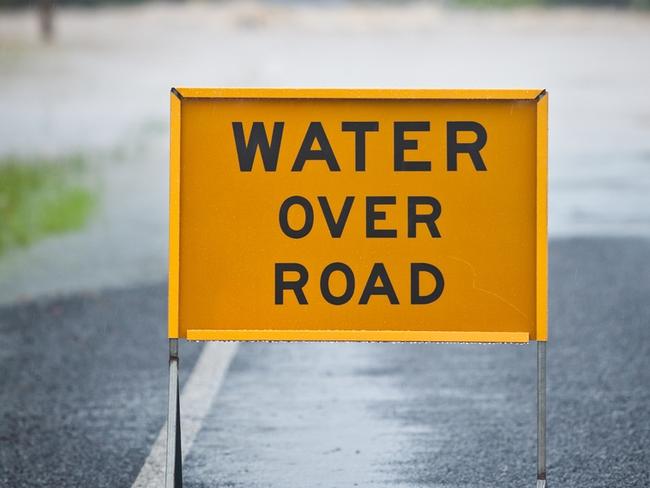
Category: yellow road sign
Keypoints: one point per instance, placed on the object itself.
(358, 215)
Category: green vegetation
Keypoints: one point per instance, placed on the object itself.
(40, 196)
(553, 3)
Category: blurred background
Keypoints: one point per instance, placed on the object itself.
(84, 121)
(84, 95)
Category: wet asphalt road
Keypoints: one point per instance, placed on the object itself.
(84, 390)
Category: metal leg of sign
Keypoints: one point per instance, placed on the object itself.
(174, 467)
(541, 414)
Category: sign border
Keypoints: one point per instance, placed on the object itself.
(177, 95)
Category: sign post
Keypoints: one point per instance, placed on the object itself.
(174, 462)
(541, 414)
(357, 215)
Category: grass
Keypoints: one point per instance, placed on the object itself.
(638, 4)
(40, 197)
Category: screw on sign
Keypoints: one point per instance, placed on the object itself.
(357, 215)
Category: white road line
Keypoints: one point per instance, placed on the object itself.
(196, 398)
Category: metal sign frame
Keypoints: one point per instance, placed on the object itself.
(173, 472)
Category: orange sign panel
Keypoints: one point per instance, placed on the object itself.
(358, 215)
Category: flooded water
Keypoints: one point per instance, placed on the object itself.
(102, 89)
